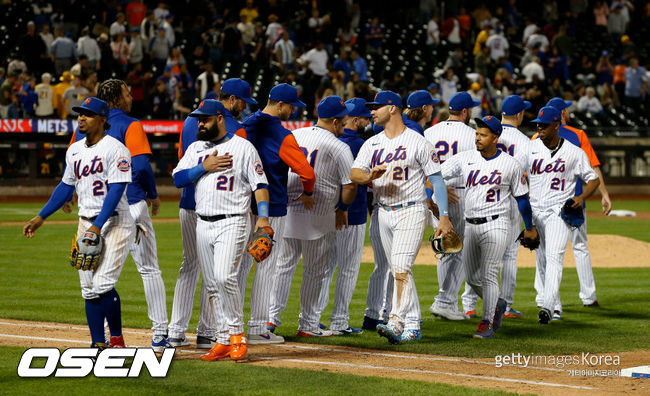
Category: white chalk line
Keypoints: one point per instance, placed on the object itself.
(481, 377)
(339, 364)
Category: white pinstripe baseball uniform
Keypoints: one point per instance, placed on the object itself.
(90, 170)
(513, 142)
(380, 283)
(552, 182)
(448, 139)
(310, 233)
(490, 184)
(223, 227)
(401, 196)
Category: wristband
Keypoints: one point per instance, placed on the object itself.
(263, 209)
(429, 192)
(309, 194)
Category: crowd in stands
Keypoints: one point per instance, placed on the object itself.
(172, 55)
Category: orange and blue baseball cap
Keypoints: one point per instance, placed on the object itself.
(547, 115)
(514, 104)
(490, 122)
(333, 107)
(359, 109)
(239, 88)
(286, 93)
(462, 100)
(386, 98)
(92, 105)
(208, 107)
(559, 103)
(420, 98)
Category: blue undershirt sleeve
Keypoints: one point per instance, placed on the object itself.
(113, 196)
(61, 194)
(440, 191)
(188, 176)
(143, 175)
(526, 211)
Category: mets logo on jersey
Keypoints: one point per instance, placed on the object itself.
(434, 156)
(258, 168)
(123, 164)
(523, 179)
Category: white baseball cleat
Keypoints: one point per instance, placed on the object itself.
(447, 313)
(267, 338)
(317, 333)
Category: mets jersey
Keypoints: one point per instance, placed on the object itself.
(331, 160)
(91, 169)
(450, 138)
(226, 192)
(513, 142)
(409, 159)
(489, 182)
(553, 178)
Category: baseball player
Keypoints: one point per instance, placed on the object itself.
(448, 139)
(579, 236)
(98, 167)
(513, 142)
(554, 167)
(235, 93)
(397, 161)
(140, 194)
(491, 179)
(348, 242)
(223, 199)
(419, 110)
(279, 151)
(311, 234)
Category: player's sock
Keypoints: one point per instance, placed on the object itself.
(110, 302)
(95, 318)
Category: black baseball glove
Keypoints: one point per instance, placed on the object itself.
(528, 243)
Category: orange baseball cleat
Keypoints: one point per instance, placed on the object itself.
(239, 348)
(218, 352)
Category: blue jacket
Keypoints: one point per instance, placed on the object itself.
(357, 212)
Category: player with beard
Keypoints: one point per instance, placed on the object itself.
(235, 93)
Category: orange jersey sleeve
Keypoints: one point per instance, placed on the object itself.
(180, 145)
(586, 146)
(136, 140)
(241, 132)
(293, 156)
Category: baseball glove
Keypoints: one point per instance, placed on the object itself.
(574, 217)
(447, 244)
(260, 246)
(86, 251)
(528, 243)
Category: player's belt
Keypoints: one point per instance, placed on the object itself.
(480, 220)
(91, 219)
(396, 207)
(217, 217)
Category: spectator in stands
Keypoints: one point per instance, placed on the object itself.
(136, 47)
(86, 45)
(317, 25)
(465, 23)
(207, 81)
(450, 29)
(160, 12)
(81, 68)
(433, 90)
(619, 79)
(182, 105)
(616, 23)
(549, 11)
(608, 96)
(118, 27)
(16, 64)
(73, 96)
(106, 60)
(175, 60)
(563, 42)
(167, 24)
(538, 37)
(148, 27)
(231, 43)
(533, 70)
(272, 31)
(585, 71)
(91, 83)
(42, 12)
(477, 93)
(258, 53)
(138, 82)
(160, 102)
(628, 49)
(558, 65)
(455, 61)
(58, 90)
(448, 86)
(6, 91)
(482, 62)
(197, 60)
(626, 7)
(33, 49)
(47, 38)
(285, 53)
(590, 103)
(497, 44)
(530, 54)
(347, 37)
(64, 52)
(528, 31)
(636, 84)
(135, 12)
(159, 49)
(374, 35)
(44, 107)
(28, 97)
(185, 80)
(14, 110)
(359, 65)
(315, 60)
(249, 11)
(601, 12)
(433, 32)
(247, 30)
(342, 64)
(120, 49)
(481, 39)
(504, 63)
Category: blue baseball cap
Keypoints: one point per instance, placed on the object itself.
(548, 115)
(359, 109)
(286, 93)
(420, 98)
(558, 103)
(333, 106)
(491, 123)
(386, 98)
(210, 95)
(238, 88)
(514, 104)
(209, 107)
(93, 105)
(432, 86)
(462, 100)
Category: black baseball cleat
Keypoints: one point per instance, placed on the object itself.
(545, 316)
(593, 304)
(369, 323)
